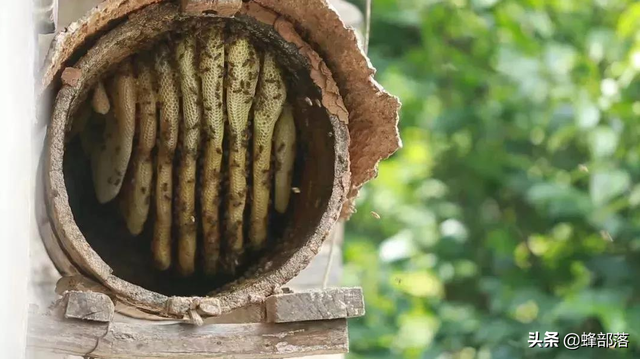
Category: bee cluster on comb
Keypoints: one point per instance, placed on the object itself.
(195, 134)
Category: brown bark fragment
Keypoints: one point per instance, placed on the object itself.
(71, 76)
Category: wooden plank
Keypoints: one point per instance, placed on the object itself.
(136, 341)
(315, 305)
(91, 306)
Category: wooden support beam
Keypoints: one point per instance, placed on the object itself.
(289, 306)
(306, 323)
(138, 341)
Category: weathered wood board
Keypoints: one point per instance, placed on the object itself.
(136, 341)
(96, 307)
(315, 305)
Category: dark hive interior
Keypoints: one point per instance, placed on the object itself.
(130, 256)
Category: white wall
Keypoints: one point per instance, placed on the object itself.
(17, 118)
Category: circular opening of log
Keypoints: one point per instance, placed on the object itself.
(197, 158)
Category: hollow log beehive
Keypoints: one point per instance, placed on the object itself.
(200, 152)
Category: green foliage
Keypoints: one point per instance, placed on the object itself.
(513, 206)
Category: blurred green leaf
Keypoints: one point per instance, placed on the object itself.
(512, 206)
(605, 186)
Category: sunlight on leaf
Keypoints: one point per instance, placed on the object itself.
(422, 284)
(605, 186)
(398, 247)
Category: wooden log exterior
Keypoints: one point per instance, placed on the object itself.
(367, 111)
(140, 30)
